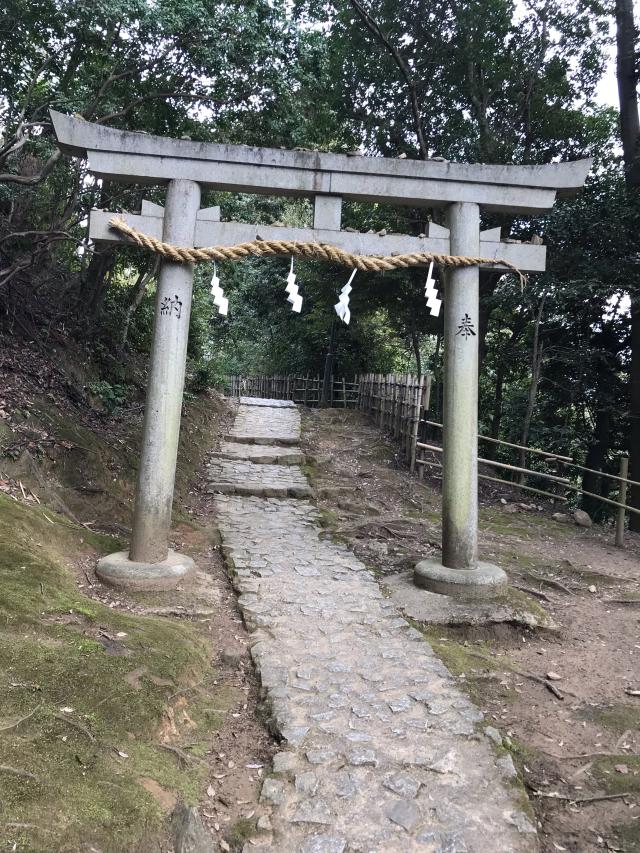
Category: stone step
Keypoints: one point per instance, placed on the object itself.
(241, 477)
(260, 454)
(261, 425)
(275, 440)
(266, 403)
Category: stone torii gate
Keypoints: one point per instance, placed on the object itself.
(185, 167)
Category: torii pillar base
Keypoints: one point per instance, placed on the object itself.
(118, 570)
(485, 581)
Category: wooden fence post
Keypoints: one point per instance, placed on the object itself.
(622, 498)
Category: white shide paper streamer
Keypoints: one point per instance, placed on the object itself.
(342, 305)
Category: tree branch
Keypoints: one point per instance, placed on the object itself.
(32, 180)
(404, 69)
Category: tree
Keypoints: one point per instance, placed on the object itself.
(627, 72)
(176, 67)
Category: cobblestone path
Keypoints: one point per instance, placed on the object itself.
(380, 750)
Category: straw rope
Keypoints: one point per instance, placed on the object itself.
(268, 248)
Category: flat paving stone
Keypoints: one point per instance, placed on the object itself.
(382, 752)
(260, 454)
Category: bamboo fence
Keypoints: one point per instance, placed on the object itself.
(305, 390)
(398, 402)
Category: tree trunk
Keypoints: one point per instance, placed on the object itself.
(95, 282)
(136, 296)
(536, 370)
(415, 343)
(496, 418)
(630, 134)
(596, 459)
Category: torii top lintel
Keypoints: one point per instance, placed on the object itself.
(141, 158)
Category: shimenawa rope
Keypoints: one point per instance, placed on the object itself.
(267, 248)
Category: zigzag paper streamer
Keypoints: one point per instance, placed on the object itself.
(292, 289)
(342, 305)
(219, 299)
(431, 294)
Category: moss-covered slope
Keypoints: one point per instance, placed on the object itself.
(99, 692)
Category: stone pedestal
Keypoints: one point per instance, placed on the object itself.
(483, 581)
(120, 571)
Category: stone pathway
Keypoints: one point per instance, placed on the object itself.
(380, 750)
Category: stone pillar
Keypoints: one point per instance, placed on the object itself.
(459, 570)
(149, 563)
(460, 412)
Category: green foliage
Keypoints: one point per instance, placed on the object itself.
(112, 396)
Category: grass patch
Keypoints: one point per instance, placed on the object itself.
(473, 660)
(613, 782)
(87, 762)
(618, 718)
(238, 834)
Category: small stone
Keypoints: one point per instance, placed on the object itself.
(493, 735)
(561, 517)
(593, 588)
(283, 762)
(361, 712)
(621, 768)
(272, 792)
(324, 844)
(402, 784)
(361, 757)
(553, 676)
(307, 783)
(507, 766)
(444, 764)
(405, 813)
(521, 822)
(358, 737)
(264, 824)
(451, 842)
(232, 657)
(294, 734)
(312, 811)
(399, 705)
(320, 756)
(189, 833)
(382, 232)
(582, 518)
(345, 785)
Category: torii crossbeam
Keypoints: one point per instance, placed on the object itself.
(185, 167)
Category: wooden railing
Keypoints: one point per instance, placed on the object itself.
(566, 478)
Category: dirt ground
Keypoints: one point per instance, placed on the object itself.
(581, 744)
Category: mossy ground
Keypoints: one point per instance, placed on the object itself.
(88, 762)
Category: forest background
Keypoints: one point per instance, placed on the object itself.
(480, 81)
